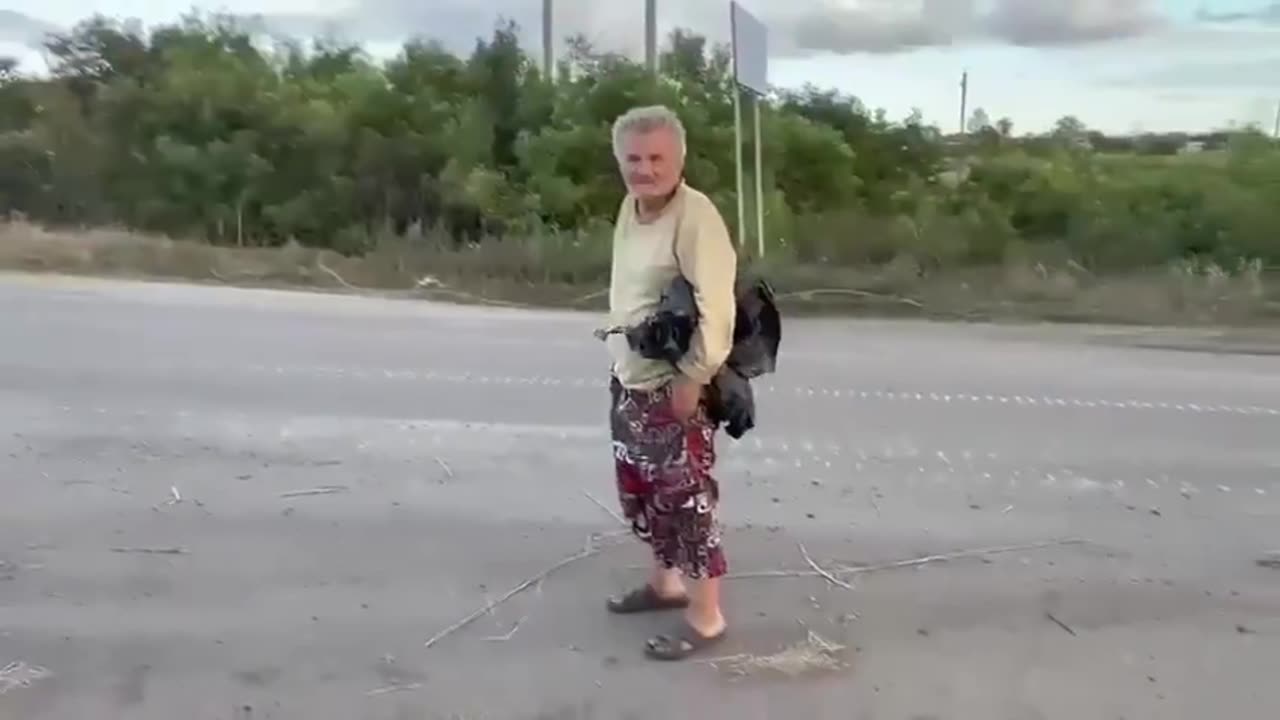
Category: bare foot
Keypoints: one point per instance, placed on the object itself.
(707, 625)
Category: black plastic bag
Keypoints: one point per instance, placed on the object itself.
(757, 330)
(757, 335)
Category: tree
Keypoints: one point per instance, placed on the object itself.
(1070, 128)
(194, 130)
(978, 121)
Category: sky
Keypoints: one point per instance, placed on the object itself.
(1119, 65)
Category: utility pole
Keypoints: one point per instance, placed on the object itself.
(964, 102)
(651, 35)
(1276, 133)
(548, 52)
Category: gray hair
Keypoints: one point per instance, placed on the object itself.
(647, 119)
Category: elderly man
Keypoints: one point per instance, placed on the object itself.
(663, 439)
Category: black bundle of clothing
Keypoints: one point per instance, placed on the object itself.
(757, 333)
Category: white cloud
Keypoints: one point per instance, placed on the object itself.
(797, 26)
(1114, 62)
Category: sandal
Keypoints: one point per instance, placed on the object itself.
(684, 642)
(645, 599)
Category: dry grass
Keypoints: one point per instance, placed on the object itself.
(572, 270)
(1183, 295)
(116, 252)
(812, 655)
(512, 273)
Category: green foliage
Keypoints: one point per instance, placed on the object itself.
(194, 130)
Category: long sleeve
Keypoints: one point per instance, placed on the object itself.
(709, 262)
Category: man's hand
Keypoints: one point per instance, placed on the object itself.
(685, 394)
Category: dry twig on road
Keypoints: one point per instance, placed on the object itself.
(1059, 623)
(20, 675)
(327, 490)
(510, 633)
(823, 573)
(448, 471)
(175, 498)
(150, 551)
(959, 555)
(605, 508)
(333, 274)
(394, 688)
(586, 552)
(589, 296)
(914, 562)
(810, 295)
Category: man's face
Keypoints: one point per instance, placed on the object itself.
(651, 162)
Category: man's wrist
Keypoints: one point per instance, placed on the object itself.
(683, 371)
(683, 379)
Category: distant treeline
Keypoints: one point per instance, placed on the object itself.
(194, 130)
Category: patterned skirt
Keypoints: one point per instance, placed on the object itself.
(665, 483)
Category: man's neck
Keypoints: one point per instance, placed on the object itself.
(649, 208)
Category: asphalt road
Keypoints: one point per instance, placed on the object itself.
(458, 446)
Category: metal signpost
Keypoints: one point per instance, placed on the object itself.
(750, 74)
(548, 41)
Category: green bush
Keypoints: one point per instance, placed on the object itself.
(192, 131)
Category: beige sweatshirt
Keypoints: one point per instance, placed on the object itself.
(689, 236)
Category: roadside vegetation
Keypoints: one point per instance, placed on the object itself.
(199, 151)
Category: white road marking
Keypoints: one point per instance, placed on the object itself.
(401, 438)
(1024, 401)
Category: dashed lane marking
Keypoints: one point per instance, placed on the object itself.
(1025, 401)
(151, 434)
